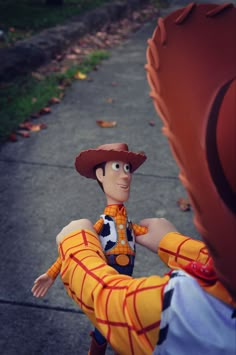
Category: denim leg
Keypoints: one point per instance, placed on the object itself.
(99, 337)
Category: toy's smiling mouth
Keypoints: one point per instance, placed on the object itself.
(124, 186)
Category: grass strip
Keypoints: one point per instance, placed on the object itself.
(25, 18)
(20, 99)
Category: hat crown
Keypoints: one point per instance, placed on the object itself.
(114, 146)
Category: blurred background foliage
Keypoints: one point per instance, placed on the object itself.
(20, 19)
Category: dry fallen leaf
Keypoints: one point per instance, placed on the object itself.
(45, 111)
(184, 204)
(59, 57)
(38, 127)
(61, 95)
(152, 123)
(136, 15)
(54, 100)
(106, 124)
(23, 133)
(75, 50)
(37, 76)
(35, 115)
(71, 56)
(32, 127)
(109, 100)
(80, 76)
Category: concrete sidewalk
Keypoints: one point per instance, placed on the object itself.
(41, 192)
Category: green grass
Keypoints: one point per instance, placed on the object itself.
(27, 95)
(20, 19)
(24, 18)
(161, 3)
(17, 106)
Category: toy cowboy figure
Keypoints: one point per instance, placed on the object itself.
(112, 165)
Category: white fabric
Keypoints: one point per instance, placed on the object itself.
(194, 323)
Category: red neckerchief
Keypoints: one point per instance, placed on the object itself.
(200, 271)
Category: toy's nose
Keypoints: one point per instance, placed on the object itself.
(124, 174)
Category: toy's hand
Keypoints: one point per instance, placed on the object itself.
(42, 285)
(157, 229)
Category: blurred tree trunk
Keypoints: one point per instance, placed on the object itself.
(54, 2)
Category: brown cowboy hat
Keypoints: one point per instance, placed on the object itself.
(200, 124)
(87, 160)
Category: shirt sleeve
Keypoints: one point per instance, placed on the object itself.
(55, 269)
(139, 230)
(177, 250)
(127, 311)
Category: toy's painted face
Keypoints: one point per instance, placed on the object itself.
(116, 181)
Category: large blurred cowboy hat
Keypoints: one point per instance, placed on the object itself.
(87, 160)
(193, 84)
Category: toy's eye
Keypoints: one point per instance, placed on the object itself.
(127, 168)
(115, 166)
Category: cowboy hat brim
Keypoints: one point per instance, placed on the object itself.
(86, 161)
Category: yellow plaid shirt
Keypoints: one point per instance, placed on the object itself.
(127, 311)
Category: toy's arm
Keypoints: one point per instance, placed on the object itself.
(45, 281)
(55, 269)
(139, 230)
(98, 225)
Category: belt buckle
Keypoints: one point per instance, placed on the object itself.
(122, 260)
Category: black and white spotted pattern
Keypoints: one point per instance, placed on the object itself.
(109, 235)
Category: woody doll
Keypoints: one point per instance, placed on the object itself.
(112, 166)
